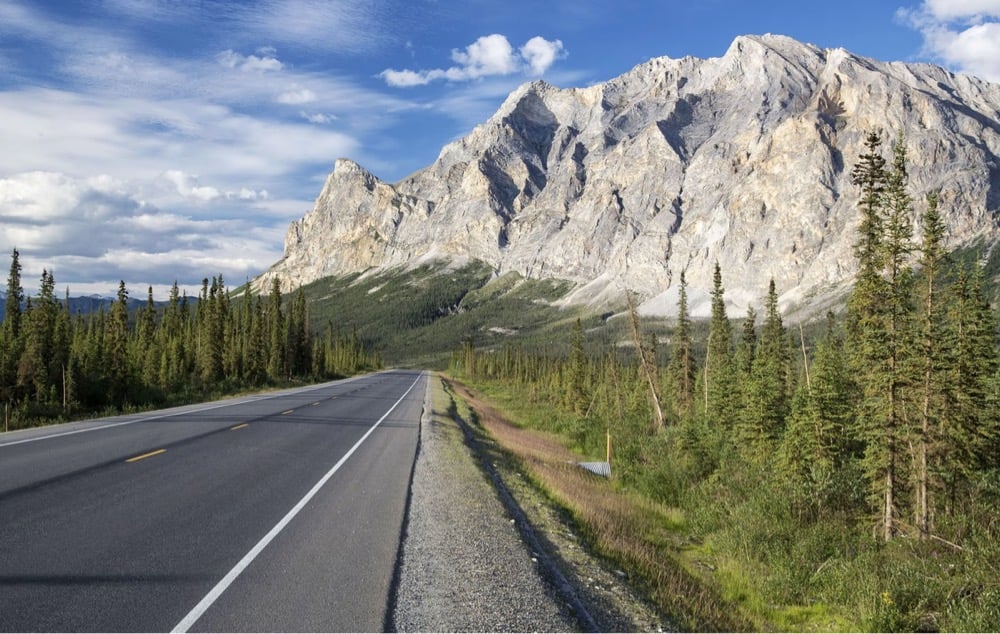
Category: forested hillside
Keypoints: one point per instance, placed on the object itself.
(851, 482)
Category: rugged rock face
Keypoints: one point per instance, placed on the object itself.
(743, 160)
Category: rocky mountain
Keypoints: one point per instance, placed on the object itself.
(743, 160)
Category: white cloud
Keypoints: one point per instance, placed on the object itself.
(962, 34)
(188, 187)
(407, 78)
(297, 97)
(94, 231)
(540, 53)
(490, 55)
(962, 9)
(248, 63)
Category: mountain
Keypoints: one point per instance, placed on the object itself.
(743, 160)
(86, 304)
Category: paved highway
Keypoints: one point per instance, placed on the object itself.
(278, 512)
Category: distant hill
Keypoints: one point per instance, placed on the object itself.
(89, 304)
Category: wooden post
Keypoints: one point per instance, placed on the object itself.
(609, 447)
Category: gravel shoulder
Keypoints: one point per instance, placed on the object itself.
(463, 565)
(484, 550)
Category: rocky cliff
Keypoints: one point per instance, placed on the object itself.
(743, 159)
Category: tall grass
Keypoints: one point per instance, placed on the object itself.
(730, 551)
(632, 530)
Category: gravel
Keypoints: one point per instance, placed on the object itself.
(464, 565)
(486, 551)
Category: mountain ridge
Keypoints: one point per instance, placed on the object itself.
(742, 159)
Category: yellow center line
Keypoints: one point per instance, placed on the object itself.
(287, 411)
(239, 426)
(146, 455)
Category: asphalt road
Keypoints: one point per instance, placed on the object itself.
(278, 512)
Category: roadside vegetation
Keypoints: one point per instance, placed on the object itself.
(57, 366)
(848, 481)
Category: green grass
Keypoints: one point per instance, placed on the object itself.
(739, 534)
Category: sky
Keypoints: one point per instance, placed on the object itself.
(154, 141)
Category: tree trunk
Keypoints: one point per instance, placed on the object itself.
(645, 363)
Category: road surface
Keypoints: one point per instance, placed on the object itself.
(278, 512)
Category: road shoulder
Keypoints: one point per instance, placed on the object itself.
(464, 566)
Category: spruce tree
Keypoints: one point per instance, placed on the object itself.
(10, 333)
(767, 392)
(880, 322)
(681, 369)
(967, 430)
(276, 333)
(116, 338)
(719, 385)
(817, 448)
(933, 389)
(40, 365)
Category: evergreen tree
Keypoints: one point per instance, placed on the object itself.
(720, 396)
(299, 357)
(746, 348)
(767, 399)
(879, 321)
(967, 431)
(147, 353)
(276, 333)
(38, 366)
(10, 332)
(933, 362)
(116, 338)
(817, 449)
(681, 367)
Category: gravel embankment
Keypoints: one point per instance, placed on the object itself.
(464, 566)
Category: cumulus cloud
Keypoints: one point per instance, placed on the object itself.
(248, 63)
(490, 55)
(962, 34)
(540, 53)
(188, 186)
(53, 220)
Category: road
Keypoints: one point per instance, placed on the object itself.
(278, 512)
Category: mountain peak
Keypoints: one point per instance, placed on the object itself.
(673, 166)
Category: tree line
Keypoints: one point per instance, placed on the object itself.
(54, 364)
(889, 419)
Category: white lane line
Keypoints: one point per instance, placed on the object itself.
(213, 594)
(127, 422)
(252, 399)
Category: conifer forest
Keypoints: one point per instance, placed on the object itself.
(55, 365)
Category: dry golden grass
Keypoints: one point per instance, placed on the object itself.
(632, 531)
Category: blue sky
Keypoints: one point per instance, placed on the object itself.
(151, 141)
